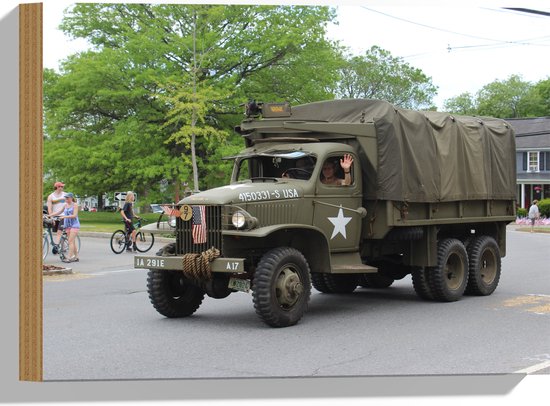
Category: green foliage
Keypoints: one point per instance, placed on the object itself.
(542, 90)
(379, 75)
(163, 79)
(544, 207)
(463, 104)
(521, 212)
(109, 221)
(510, 98)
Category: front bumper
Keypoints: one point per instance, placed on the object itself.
(175, 263)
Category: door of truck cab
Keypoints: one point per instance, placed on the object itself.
(335, 206)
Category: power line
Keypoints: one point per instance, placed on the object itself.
(429, 26)
(529, 10)
(498, 41)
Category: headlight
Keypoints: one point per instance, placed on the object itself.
(172, 221)
(238, 219)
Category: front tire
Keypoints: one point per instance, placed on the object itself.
(484, 266)
(449, 278)
(63, 248)
(172, 295)
(281, 287)
(45, 247)
(144, 241)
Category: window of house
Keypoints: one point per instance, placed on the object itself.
(533, 160)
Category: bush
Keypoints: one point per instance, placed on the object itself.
(544, 208)
(521, 212)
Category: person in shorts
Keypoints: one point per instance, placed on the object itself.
(55, 204)
(69, 214)
(128, 215)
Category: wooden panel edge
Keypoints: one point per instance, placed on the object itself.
(30, 192)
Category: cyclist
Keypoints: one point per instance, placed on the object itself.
(56, 203)
(128, 215)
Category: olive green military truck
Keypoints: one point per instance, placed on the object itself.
(341, 194)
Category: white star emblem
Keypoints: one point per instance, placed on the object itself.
(340, 223)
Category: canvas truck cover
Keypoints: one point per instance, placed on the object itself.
(426, 156)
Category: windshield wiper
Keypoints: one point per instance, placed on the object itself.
(264, 179)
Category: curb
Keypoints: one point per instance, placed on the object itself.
(56, 270)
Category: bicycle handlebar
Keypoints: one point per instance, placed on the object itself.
(138, 220)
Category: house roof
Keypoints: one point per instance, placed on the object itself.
(531, 133)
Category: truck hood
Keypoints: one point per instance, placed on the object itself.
(247, 192)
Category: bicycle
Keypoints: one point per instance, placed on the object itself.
(121, 239)
(62, 247)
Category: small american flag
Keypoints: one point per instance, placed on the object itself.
(199, 225)
(170, 211)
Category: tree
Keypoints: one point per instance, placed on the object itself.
(464, 104)
(379, 75)
(102, 126)
(508, 98)
(160, 80)
(542, 90)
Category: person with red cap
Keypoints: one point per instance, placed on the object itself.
(55, 203)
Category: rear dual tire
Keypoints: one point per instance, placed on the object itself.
(448, 280)
(485, 266)
(475, 270)
(334, 283)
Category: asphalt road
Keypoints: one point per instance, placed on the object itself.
(99, 324)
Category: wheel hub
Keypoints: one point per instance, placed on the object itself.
(454, 271)
(488, 269)
(288, 288)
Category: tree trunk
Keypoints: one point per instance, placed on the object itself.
(194, 115)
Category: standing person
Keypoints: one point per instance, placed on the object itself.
(71, 224)
(127, 213)
(56, 203)
(534, 213)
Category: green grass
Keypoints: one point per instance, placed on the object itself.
(535, 229)
(108, 222)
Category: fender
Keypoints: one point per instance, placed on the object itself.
(309, 240)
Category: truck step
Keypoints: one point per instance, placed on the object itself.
(359, 268)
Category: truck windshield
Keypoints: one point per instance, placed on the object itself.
(277, 164)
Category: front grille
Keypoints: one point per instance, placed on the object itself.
(271, 213)
(186, 243)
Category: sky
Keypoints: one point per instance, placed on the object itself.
(462, 48)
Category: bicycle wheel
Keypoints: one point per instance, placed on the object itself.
(77, 244)
(118, 241)
(63, 248)
(45, 246)
(144, 241)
